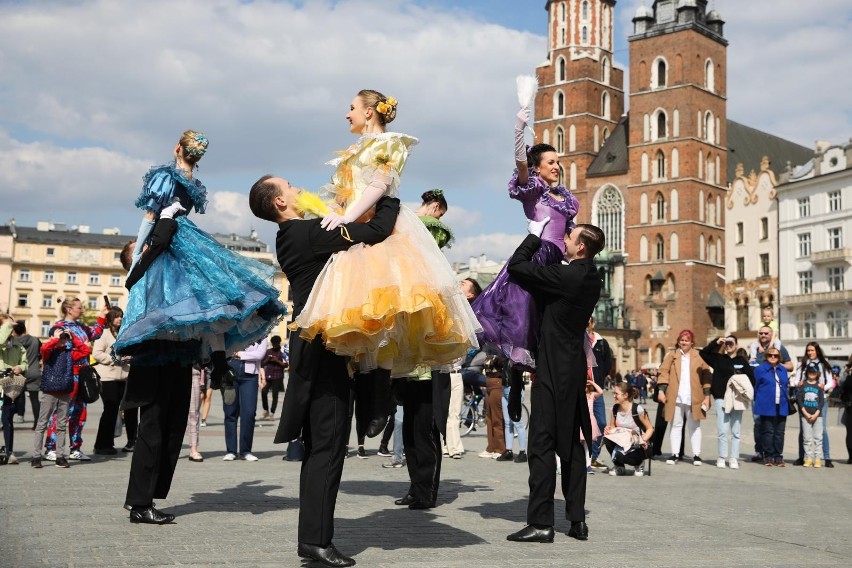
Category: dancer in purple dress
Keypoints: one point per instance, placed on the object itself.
(508, 314)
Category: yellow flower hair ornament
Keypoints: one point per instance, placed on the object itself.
(386, 106)
(310, 204)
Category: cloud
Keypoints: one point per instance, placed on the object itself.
(495, 246)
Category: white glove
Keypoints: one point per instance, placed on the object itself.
(536, 227)
(331, 221)
(520, 148)
(523, 118)
(174, 209)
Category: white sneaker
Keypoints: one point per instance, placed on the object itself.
(50, 456)
(229, 457)
(79, 456)
(720, 463)
(12, 459)
(733, 464)
(487, 454)
(639, 471)
(250, 457)
(204, 424)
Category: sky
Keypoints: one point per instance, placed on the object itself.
(95, 92)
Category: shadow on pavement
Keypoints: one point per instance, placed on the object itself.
(249, 496)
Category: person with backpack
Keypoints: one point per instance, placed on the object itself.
(633, 418)
(62, 355)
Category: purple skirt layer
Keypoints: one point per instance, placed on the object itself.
(509, 315)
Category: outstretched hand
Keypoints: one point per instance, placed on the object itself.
(332, 221)
(537, 227)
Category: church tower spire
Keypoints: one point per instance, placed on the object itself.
(581, 94)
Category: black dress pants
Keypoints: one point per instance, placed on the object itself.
(552, 432)
(111, 394)
(162, 393)
(421, 440)
(325, 432)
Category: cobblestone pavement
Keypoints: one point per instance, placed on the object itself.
(245, 514)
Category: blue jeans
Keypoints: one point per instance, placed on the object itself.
(244, 408)
(727, 422)
(508, 425)
(599, 410)
(772, 430)
(397, 436)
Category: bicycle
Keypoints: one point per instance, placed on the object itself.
(473, 413)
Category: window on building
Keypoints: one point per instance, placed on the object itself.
(660, 319)
(661, 125)
(94, 278)
(804, 244)
(660, 208)
(49, 276)
(742, 315)
(806, 282)
(585, 10)
(835, 278)
(71, 278)
(834, 201)
(764, 228)
(116, 256)
(835, 238)
(661, 248)
(115, 280)
(51, 252)
(114, 301)
(740, 268)
(764, 264)
(92, 304)
(740, 231)
(585, 35)
(709, 76)
(24, 275)
(806, 325)
(661, 73)
(23, 300)
(837, 322)
(559, 138)
(47, 301)
(661, 165)
(609, 211)
(804, 207)
(562, 70)
(45, 327)
(560, 104)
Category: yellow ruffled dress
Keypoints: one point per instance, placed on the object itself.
(398, 300)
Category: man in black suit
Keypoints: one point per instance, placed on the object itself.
(568, 293)
(317, 398)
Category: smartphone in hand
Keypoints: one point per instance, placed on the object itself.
(106, 301)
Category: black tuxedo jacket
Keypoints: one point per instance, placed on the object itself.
(303, 247)
(568, 293)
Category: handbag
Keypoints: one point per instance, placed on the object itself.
(11, 385)
(90, 384)
(792, 402)
(58, 372)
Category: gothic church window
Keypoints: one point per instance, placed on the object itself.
(562, 69)
(660, 165)
(660, 248)
(559, 139)
(709, 76)
(607, 68)
(605, 105)
(609, 208)
(659, 73)
(585, 10)
(559, 104)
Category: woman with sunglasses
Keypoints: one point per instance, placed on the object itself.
(721, 355)
(772, 404)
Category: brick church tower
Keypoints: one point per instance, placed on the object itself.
(654, 180)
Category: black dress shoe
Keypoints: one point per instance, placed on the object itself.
(417, 504)
(405, 501)
(328, 556)
(150, 516)
(532, 534)
(579, 530)
(828, 463)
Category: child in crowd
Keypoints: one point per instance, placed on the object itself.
(768, 319)
(811, 399)
(633, 418)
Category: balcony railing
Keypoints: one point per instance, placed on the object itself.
(817, 298)
(832, 255)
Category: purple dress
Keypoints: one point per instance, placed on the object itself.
(509, 315)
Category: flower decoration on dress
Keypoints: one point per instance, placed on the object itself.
(382, 159)
(388, 105)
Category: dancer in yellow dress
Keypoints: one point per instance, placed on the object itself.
(405, 307)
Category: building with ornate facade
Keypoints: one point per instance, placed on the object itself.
(654, 179)
(42, 265)
(815, 227)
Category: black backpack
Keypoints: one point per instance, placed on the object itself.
(637, 454)
(635, 412)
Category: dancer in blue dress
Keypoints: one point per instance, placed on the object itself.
(196, 297)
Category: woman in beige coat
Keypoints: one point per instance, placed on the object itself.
(113, 380)
(684, 385)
